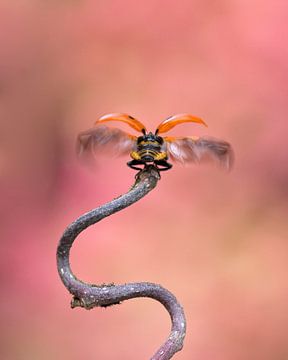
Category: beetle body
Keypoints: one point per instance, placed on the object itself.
(150, 148)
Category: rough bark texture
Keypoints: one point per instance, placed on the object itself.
(88, 295)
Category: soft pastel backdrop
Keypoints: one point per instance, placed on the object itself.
(218, 241)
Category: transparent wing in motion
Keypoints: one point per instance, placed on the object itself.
(104, 139)
(200, 149)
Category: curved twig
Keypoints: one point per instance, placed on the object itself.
(88, 295)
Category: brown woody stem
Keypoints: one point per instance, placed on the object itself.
(89, 296)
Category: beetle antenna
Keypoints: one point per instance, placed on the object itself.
(143, 131)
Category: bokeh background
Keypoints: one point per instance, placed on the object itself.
(218, 241)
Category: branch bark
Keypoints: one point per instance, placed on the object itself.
(89, 295)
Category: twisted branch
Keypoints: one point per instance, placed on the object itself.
(89, 296)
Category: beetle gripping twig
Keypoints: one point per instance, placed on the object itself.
(89, 296)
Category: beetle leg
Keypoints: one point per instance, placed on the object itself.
(164, 164)
(134, 162)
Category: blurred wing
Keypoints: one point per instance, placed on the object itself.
(102, 138)
(174, 120)
(193, 149)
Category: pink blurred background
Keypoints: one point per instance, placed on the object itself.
(218, 241)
